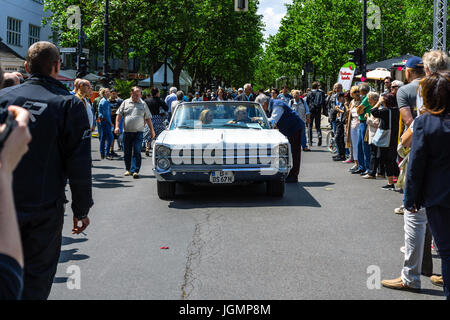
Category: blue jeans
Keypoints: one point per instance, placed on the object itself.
(106, 136)
(333, 127)
(363, 148)
(132, 147)
(439, 222)
(304, 142)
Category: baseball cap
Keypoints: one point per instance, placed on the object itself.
(414, 63)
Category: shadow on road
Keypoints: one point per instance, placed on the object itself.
(106, 181)
(71, 255)
(67, 241)
(432, 292)
(193, 197)
(60, 279)
(105, 167)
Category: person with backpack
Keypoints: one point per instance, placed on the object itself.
(316, 103)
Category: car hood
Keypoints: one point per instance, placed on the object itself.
(219, 136)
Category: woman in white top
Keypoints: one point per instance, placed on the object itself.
(353, 127)
(83, 93)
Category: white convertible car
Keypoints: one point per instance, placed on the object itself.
(220, 143)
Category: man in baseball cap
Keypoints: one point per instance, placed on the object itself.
(407, 95)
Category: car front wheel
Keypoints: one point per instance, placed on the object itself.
(166, 190)
(275, 188)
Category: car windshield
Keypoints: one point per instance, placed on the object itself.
(220, 115)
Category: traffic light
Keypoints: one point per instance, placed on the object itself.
(356, 57)
(82, 66)
(241, 5)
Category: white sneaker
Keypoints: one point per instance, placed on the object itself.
(400, 210)
(403, 250)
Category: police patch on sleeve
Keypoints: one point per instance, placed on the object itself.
(35, 109)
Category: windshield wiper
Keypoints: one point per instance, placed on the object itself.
(234, 125)
(191, 127)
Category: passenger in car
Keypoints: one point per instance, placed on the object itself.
(206, 116)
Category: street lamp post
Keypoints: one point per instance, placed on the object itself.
(106, 40)
(364, 40)
(165, 84)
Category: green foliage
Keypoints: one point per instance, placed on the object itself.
(123, 87)
(323, 31)
(206, 37)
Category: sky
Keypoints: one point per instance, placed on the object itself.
(273, 11)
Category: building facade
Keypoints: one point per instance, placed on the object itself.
(20, 27)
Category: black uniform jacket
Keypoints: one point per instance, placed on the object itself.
(60, 148)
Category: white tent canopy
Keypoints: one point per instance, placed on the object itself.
(377, 74)
(158, 79)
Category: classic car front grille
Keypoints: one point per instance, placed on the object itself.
(244, 156)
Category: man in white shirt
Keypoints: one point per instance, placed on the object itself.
(135, 113)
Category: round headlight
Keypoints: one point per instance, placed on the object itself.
(283, 150)
(163, 164)
(162, 151)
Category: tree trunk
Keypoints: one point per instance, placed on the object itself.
(125, 60)
(176, 76)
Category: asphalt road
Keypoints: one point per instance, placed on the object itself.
(235, 243)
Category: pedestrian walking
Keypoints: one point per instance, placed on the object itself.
(135, 113)
(316, 103)
(115, 103)
(60, 151)
(105, 126)
(159, 110)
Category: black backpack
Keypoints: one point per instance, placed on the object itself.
(315, 101)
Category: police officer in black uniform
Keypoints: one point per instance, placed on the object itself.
(60, 151)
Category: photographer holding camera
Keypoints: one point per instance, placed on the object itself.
(12, 148)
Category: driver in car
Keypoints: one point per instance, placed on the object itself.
(241, 116)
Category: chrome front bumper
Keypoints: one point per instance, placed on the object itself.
(202, 174)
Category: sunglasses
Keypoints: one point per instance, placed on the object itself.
(393, 87)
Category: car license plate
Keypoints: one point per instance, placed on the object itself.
(221, 177)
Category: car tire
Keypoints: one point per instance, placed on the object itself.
(166, 190)
(275, 188)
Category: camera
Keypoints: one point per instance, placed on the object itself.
(6, 117)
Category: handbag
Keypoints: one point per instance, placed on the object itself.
(382, 137)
